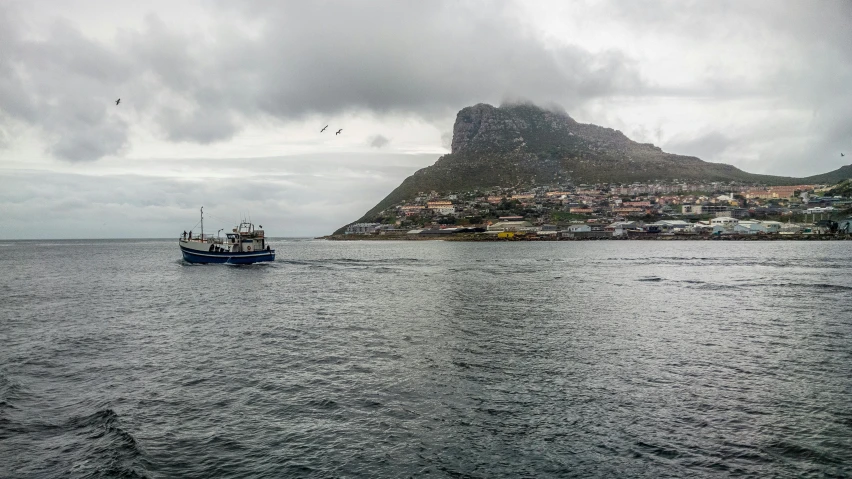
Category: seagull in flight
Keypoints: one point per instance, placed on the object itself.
(323, 128)
(338, 131)
(118, 101)
(842, 154)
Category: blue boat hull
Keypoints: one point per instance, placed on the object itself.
(212, 257)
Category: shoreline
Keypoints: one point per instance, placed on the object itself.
(648, 237)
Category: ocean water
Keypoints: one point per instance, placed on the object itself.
(427, 359)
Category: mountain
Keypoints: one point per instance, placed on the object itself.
(522, 144)
(836, 176)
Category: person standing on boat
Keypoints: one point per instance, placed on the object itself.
(190, 234)
(184, 234)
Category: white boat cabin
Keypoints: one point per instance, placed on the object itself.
(245, 239)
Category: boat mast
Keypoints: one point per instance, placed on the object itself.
(202, 223)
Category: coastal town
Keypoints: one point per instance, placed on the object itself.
(610, 211)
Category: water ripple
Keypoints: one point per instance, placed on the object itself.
(427, 359)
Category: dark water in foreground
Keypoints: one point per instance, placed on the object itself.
(427, 359)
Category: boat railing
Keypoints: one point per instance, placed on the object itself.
(210, 238)
(202, 239)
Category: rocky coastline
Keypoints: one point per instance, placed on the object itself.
(647, 237)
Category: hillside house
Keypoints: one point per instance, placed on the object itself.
(441, 207)
(411, 210)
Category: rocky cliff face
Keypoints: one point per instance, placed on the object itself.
(484, 128)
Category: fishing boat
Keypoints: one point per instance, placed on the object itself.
(245, 244)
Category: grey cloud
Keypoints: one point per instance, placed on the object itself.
(642, 134)
(92, 143)
(783, 145)
(708, 145)
(61, 86)
(813, 146)
(378, 141)
(5, 137)
(801, 81)
(167, 54)
(201, 125)
(391, 56)
(803, 52)
(724, 18)
(429, 59)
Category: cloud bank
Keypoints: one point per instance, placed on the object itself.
(300, 58)
(264, 61)
(298, 196)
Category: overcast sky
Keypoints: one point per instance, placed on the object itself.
(222, 102)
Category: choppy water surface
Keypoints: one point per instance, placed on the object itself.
(427, 359)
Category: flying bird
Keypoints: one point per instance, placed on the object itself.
(338, 131)
(118, 101)
(323, 128)
(842, 154)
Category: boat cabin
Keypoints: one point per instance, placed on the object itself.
(244, 239)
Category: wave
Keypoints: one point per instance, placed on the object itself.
(323, 403)
(384, 263)
(373, 261)
(105, 448)
(834, 287)
(813, 286)
(749, 284)
(10, 390)
(801, 452)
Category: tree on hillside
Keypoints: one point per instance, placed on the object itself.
(844, 189)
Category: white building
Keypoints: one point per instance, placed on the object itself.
(620, 228)
(723, 224)
(441, 207)
(511, 226)
(748, 227)
(727, 222)
(791, 228)
(581, 228)
(755, 227)
(817, 210)
(362, 228)
(670, 226)
(772, 226)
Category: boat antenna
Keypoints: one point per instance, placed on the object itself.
(202, 223)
